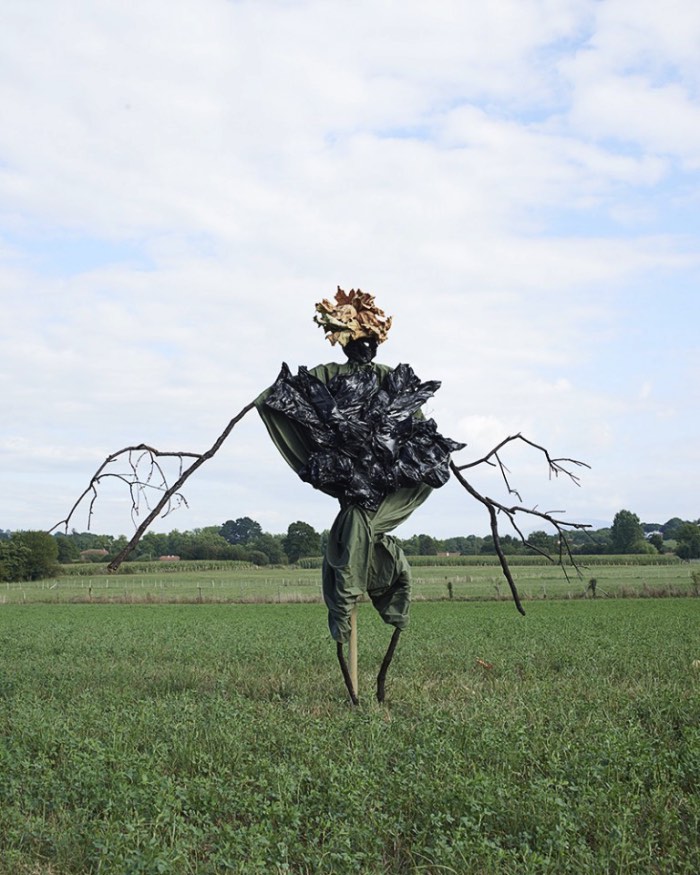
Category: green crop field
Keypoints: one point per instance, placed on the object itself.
(196, 739)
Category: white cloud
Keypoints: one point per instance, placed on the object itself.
(637, 78)
(181, 182)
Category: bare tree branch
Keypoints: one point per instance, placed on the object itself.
(155, 480)
(556, 466)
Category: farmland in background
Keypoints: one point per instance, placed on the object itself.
(462, 578)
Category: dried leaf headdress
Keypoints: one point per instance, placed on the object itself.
(354, 315)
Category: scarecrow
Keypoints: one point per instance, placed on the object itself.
(356, 432)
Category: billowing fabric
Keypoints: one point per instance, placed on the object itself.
(355, 432)
(362, 557)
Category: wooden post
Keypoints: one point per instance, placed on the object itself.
(353, 648)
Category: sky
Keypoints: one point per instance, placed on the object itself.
(515, 181)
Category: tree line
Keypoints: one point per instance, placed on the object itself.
(38, 555)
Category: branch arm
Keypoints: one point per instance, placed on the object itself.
(174, 489)
(491, 507)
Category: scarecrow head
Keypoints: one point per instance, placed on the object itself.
(355, 322)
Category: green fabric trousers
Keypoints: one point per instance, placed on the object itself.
(361, 556)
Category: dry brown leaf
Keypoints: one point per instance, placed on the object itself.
(353, 316)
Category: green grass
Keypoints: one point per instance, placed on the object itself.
(217, 738)
(231, 582)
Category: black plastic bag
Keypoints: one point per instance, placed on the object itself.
(368, 439)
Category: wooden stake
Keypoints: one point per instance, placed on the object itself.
(353, 648)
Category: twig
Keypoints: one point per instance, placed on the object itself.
(556, 466)
(171, 495)
(494, 508)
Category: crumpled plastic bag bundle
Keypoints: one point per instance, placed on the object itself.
(368, 440)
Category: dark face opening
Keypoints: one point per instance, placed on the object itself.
(361, 351)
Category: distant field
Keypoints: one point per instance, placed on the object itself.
(232, 582)
(206, 739)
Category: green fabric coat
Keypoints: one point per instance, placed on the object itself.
(361, 556)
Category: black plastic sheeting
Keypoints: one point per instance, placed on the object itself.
(368, 441)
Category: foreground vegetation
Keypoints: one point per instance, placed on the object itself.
(206, 739)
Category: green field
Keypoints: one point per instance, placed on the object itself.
(216, 738)
(236, 582)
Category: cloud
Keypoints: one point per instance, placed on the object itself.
(636, 80)
(181, 182)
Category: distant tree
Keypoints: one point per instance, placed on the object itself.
(204, 544)
(301, 540)
(426, 546)
(487, 545)
(155, 544)
(257, 557)
(175, 543)
(511, 545)
(118, 544)
(458, 545)
(244, 530)
(29, 556)
(688, 541)
(91, 541)
(591, 543)
(43, 550)
(272, 547)
(656, 539)
(14, 557)
(542, 540)
(409, 545)
(67, 549)
(670, 528)
(626, 533)
(472, 545)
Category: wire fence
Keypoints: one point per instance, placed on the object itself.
(243, 585)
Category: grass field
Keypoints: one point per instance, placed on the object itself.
(229, 582)
(217, 738)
